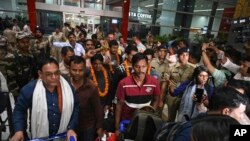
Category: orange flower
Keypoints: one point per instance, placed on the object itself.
(105, 74)
(126, 68)
(149, 69)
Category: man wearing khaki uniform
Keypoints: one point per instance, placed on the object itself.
(161, 65)
(178, 73)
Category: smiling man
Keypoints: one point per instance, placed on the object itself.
(53, 103)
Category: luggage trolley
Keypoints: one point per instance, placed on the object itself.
(54, 137)
(5, 105)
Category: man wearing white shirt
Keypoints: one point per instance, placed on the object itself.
(241, 72)
(26, 28)
(139, 44)
(78, 48)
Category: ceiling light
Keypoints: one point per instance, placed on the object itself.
(150, 5)
(207, 10)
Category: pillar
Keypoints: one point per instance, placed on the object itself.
(125, 19)
(31, 5)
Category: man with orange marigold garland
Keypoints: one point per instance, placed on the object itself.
(136, 91)
(115, 58)
(123, 70)
(101, 78)
(91, 113)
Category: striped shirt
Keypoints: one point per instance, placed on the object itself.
(135, 96)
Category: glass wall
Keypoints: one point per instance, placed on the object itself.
(48, 1)
(108, 24)
(114, 5)
(11, 9)
(76, 3)
(95, 4)
(185, 18)
(49, 20)
(89, 21)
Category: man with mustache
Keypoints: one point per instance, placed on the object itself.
(136, 91)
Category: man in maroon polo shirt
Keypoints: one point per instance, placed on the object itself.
(136, 91)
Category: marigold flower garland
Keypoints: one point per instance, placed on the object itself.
(127, 69)
(105, 74)
(149, 70)
(118, 62)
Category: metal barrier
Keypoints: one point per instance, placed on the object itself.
(57, 136)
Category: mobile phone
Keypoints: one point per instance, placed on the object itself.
(199, 94)
(220, 55)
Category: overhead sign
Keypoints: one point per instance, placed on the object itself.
(139, 15)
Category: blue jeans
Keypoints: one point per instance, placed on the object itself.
(87, 135)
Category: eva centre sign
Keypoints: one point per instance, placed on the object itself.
(139, 15)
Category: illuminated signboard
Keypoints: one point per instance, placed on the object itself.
(139, 15)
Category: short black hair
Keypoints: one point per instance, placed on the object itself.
(113, 43)
(137, 57)
(111, 33)
(184, 42)
(93, 36)
(149, 51)
(130, 48)
(66, 49)
(97, 57)
(71, 33)
(47, 60)
(212, 128)
(237, 84)
(77, 60)
(226, 97)
(162, 46)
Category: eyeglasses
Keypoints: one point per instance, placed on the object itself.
(89, 44)
(50, 74)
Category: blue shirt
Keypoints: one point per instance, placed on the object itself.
(24, 102)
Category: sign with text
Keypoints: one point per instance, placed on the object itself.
(139, 15)
(239, 132)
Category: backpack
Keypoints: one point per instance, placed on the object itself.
(170, 130)
(144, 124)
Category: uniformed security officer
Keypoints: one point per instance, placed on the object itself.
(40, 47)
(178, 73)
(23, 64)
(7, 66)
(160, 64)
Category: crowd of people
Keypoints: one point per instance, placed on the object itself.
(69, 82)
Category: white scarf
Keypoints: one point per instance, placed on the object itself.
(3, 86)
(39, 115)
(187, 106)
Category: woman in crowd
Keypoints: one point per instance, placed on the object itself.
(195, 91)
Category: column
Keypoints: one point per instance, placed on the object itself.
(125, 15)
(183, 20)
(211, 19)
(14, 7)
(167, 18)
(31, 5)
(154, 18)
